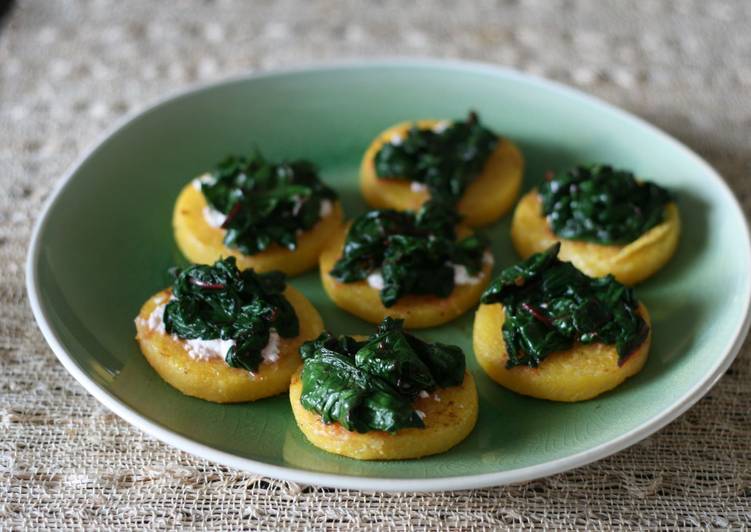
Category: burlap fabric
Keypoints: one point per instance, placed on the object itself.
(68, 69)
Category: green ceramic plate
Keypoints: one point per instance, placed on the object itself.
(104, 243)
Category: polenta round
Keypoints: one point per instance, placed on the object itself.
(629, 264)
(202, 243)
(417, 310)
(450, 415)
(212, 379)
(488, 197)
(577, 374)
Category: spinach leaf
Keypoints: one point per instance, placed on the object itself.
(549, 305)
(414, 252)
(265, 203)
(222, 302)
(370, 385)
(600, 204)
(446, 161)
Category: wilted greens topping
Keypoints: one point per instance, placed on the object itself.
(600, 204)
(221, 302)
(549, 305)
(371, 384)
(265, 203)
(414, 252)
(445, 161)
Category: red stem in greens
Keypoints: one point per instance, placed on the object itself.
(232, 214)
(537, 313)
(204, 284)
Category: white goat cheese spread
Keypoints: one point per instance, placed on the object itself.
(441, 126)
(208, 349)
(213, 217)
(461, 275)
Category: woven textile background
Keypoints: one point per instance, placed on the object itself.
(69, 69)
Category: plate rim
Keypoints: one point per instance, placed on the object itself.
(458, 482)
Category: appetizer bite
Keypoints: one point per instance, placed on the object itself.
(226, 335)
(461, 163)
(547, 330)
(388, 397)
(269, 216)
(418, 267)
(606, 221)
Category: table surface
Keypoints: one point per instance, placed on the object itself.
(69, 69)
